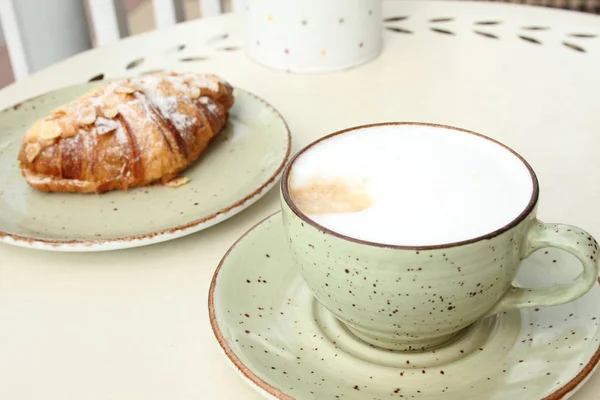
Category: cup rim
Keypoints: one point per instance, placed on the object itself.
(519, 218)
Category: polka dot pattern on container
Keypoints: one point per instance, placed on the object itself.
(307, 28)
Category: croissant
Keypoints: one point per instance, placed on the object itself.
(129, 133)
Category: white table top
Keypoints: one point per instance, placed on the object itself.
(133, 324)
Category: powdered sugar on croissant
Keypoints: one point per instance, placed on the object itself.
(128, 133)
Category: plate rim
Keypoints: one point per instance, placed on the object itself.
(155, 236)
(259, 384)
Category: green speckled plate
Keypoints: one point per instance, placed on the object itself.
(238, 168)
(286, 346)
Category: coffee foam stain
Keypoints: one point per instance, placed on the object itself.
(335, 195)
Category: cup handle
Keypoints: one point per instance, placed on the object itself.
(565, 237)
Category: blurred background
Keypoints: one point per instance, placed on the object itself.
(136, 16)
(140, 16)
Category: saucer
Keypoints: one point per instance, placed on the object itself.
(237, 169)
(287, 346)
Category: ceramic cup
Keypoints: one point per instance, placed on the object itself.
(412, 297)
(313, 35)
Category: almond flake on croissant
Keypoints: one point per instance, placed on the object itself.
(129, 133)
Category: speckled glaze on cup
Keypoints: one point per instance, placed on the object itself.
(287, 346)
(414, 298)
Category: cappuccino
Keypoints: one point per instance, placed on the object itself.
(410, 185)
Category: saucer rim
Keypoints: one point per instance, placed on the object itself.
(261, 385)
(233, 358)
